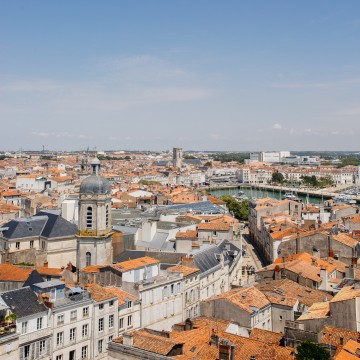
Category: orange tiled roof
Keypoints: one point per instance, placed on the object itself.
(346, 293)
(144, 340)
(135, 264)
(350, 351)
(332, 336)
(121, 294)
(214, 226)
(9, 272)
(246, 298)
(183, 269)
(316, 311)
(188, 234)
(99, 293)
(266, 336)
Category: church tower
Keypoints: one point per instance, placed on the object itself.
(94, 239)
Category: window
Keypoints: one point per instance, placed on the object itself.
(39, 323)
(60, 319)
(107, 216)
(72, 334)
(17, 245)
(59, 338)
(214, 233)
(59, 357)
(26, 352)
(100, 346)
(111, 303)
(31, 244)
(73, 315)
(85, 311)
(129, 304)
(111, 337)
(24, 327)
(89, 217)
(85, 330)
(111, 321)
(42, 347)
(280, 317)
(101, 324)
(101, 306)
(88, 259)
(121, 323)
(129, 320)
(84, 352)
(43, 245)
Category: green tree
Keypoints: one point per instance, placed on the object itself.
(277, 177)
(349, 160)
(308, 350)
(326, 181)
(239, 209)
(310, 180)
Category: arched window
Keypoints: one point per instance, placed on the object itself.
(107, 216)
(88, 259)
(89, 217)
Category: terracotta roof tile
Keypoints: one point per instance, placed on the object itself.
(183, 269)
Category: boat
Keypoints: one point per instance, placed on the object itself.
(344, 199)
(290, 196)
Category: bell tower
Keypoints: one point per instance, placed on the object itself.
(94, 238)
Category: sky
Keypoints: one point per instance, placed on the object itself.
(197, 74)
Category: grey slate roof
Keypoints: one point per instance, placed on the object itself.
(205, 259)
(33, 278)
(46, 224)
(24, 227)
(126, 230)
(57, 226)
(158, 241)
(23, 302)
(209, 258)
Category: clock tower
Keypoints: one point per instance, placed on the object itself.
(94, 238)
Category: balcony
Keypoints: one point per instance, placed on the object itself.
(6, 328)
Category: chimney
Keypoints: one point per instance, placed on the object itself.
(188, 261)
(349, 272)
(298, 243)
(331, 251)
(214, 339)
(226, 350)
(128, 339)
(40, 297)
(46, 264)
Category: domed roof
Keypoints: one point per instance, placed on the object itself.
(95, 161)
(95, 184)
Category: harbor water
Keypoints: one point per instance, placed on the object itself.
(262, 193)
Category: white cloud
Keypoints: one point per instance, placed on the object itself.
(314, 85)
(277, 126)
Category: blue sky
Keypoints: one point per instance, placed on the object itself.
(200, 74)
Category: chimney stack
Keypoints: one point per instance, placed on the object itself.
(128, 339)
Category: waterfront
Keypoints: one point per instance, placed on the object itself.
(261, 193)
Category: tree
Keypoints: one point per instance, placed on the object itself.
(349, 160)
(277, 177)
(308, 350)
(239, 209)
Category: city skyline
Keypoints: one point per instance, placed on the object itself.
(204, 75)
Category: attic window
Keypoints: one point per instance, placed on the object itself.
(30, 228)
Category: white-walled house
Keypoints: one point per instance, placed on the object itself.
(32, 324)
(70, 320)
